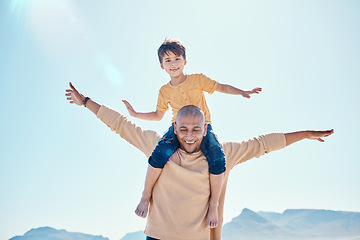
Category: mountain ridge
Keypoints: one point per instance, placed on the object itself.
(299, 224)
(292, 224)
(47, 233)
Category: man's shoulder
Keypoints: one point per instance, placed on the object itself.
(229, 145)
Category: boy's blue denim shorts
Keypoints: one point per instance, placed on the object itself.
(210, 146)
(151, 238)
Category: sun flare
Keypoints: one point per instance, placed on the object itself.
(17, 9)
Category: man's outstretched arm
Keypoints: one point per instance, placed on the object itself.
(314, 135)
(145, 140)
(238, 152)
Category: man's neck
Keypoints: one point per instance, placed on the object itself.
(175, 81)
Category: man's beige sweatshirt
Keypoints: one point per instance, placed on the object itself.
(180, 197)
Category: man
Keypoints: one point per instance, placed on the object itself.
(180, 197)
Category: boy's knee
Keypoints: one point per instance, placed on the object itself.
(214, 153)
(217, 167)
(156, 163)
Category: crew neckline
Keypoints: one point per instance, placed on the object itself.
(186, 78)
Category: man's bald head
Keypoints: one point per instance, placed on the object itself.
(190, 111)
(190, 128)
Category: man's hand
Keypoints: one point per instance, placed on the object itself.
(131, 110)
(318, 135)
(313, 135)
(74, 96)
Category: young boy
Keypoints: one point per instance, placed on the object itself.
(184, 90)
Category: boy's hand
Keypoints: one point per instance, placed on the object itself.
(74, 96)
(131, 110)
(256, 90)
(246, 94)
(318, 135)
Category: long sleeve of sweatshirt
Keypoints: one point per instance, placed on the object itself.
(144, 140)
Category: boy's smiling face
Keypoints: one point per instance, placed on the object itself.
(173, 64)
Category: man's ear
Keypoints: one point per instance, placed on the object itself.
(185, 62)
(205, 129)
(175, 131)
(161, 65)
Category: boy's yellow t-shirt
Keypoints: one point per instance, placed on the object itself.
(190, 92)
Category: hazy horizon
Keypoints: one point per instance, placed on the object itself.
(291, 224)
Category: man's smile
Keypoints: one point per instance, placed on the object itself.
(190, 131)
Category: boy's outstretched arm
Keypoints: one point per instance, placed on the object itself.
(313, 135)
(225, 88)
(151, 116)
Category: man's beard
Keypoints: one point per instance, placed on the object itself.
(194, 151)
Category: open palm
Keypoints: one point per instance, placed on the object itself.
(73, 95)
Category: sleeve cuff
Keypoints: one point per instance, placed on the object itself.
(162, 109)
(216, 84)
(274, 141)
(103, 112)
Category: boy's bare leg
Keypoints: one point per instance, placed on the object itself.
(152, 176)
(212, 220)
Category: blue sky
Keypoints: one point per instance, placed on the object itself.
(61, 167)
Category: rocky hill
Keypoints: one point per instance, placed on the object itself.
(48, 233)
(304, 224)
(293, 224)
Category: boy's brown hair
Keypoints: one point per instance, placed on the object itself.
(171, 45)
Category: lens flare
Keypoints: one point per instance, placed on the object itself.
(112, 74)
(17, 10)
